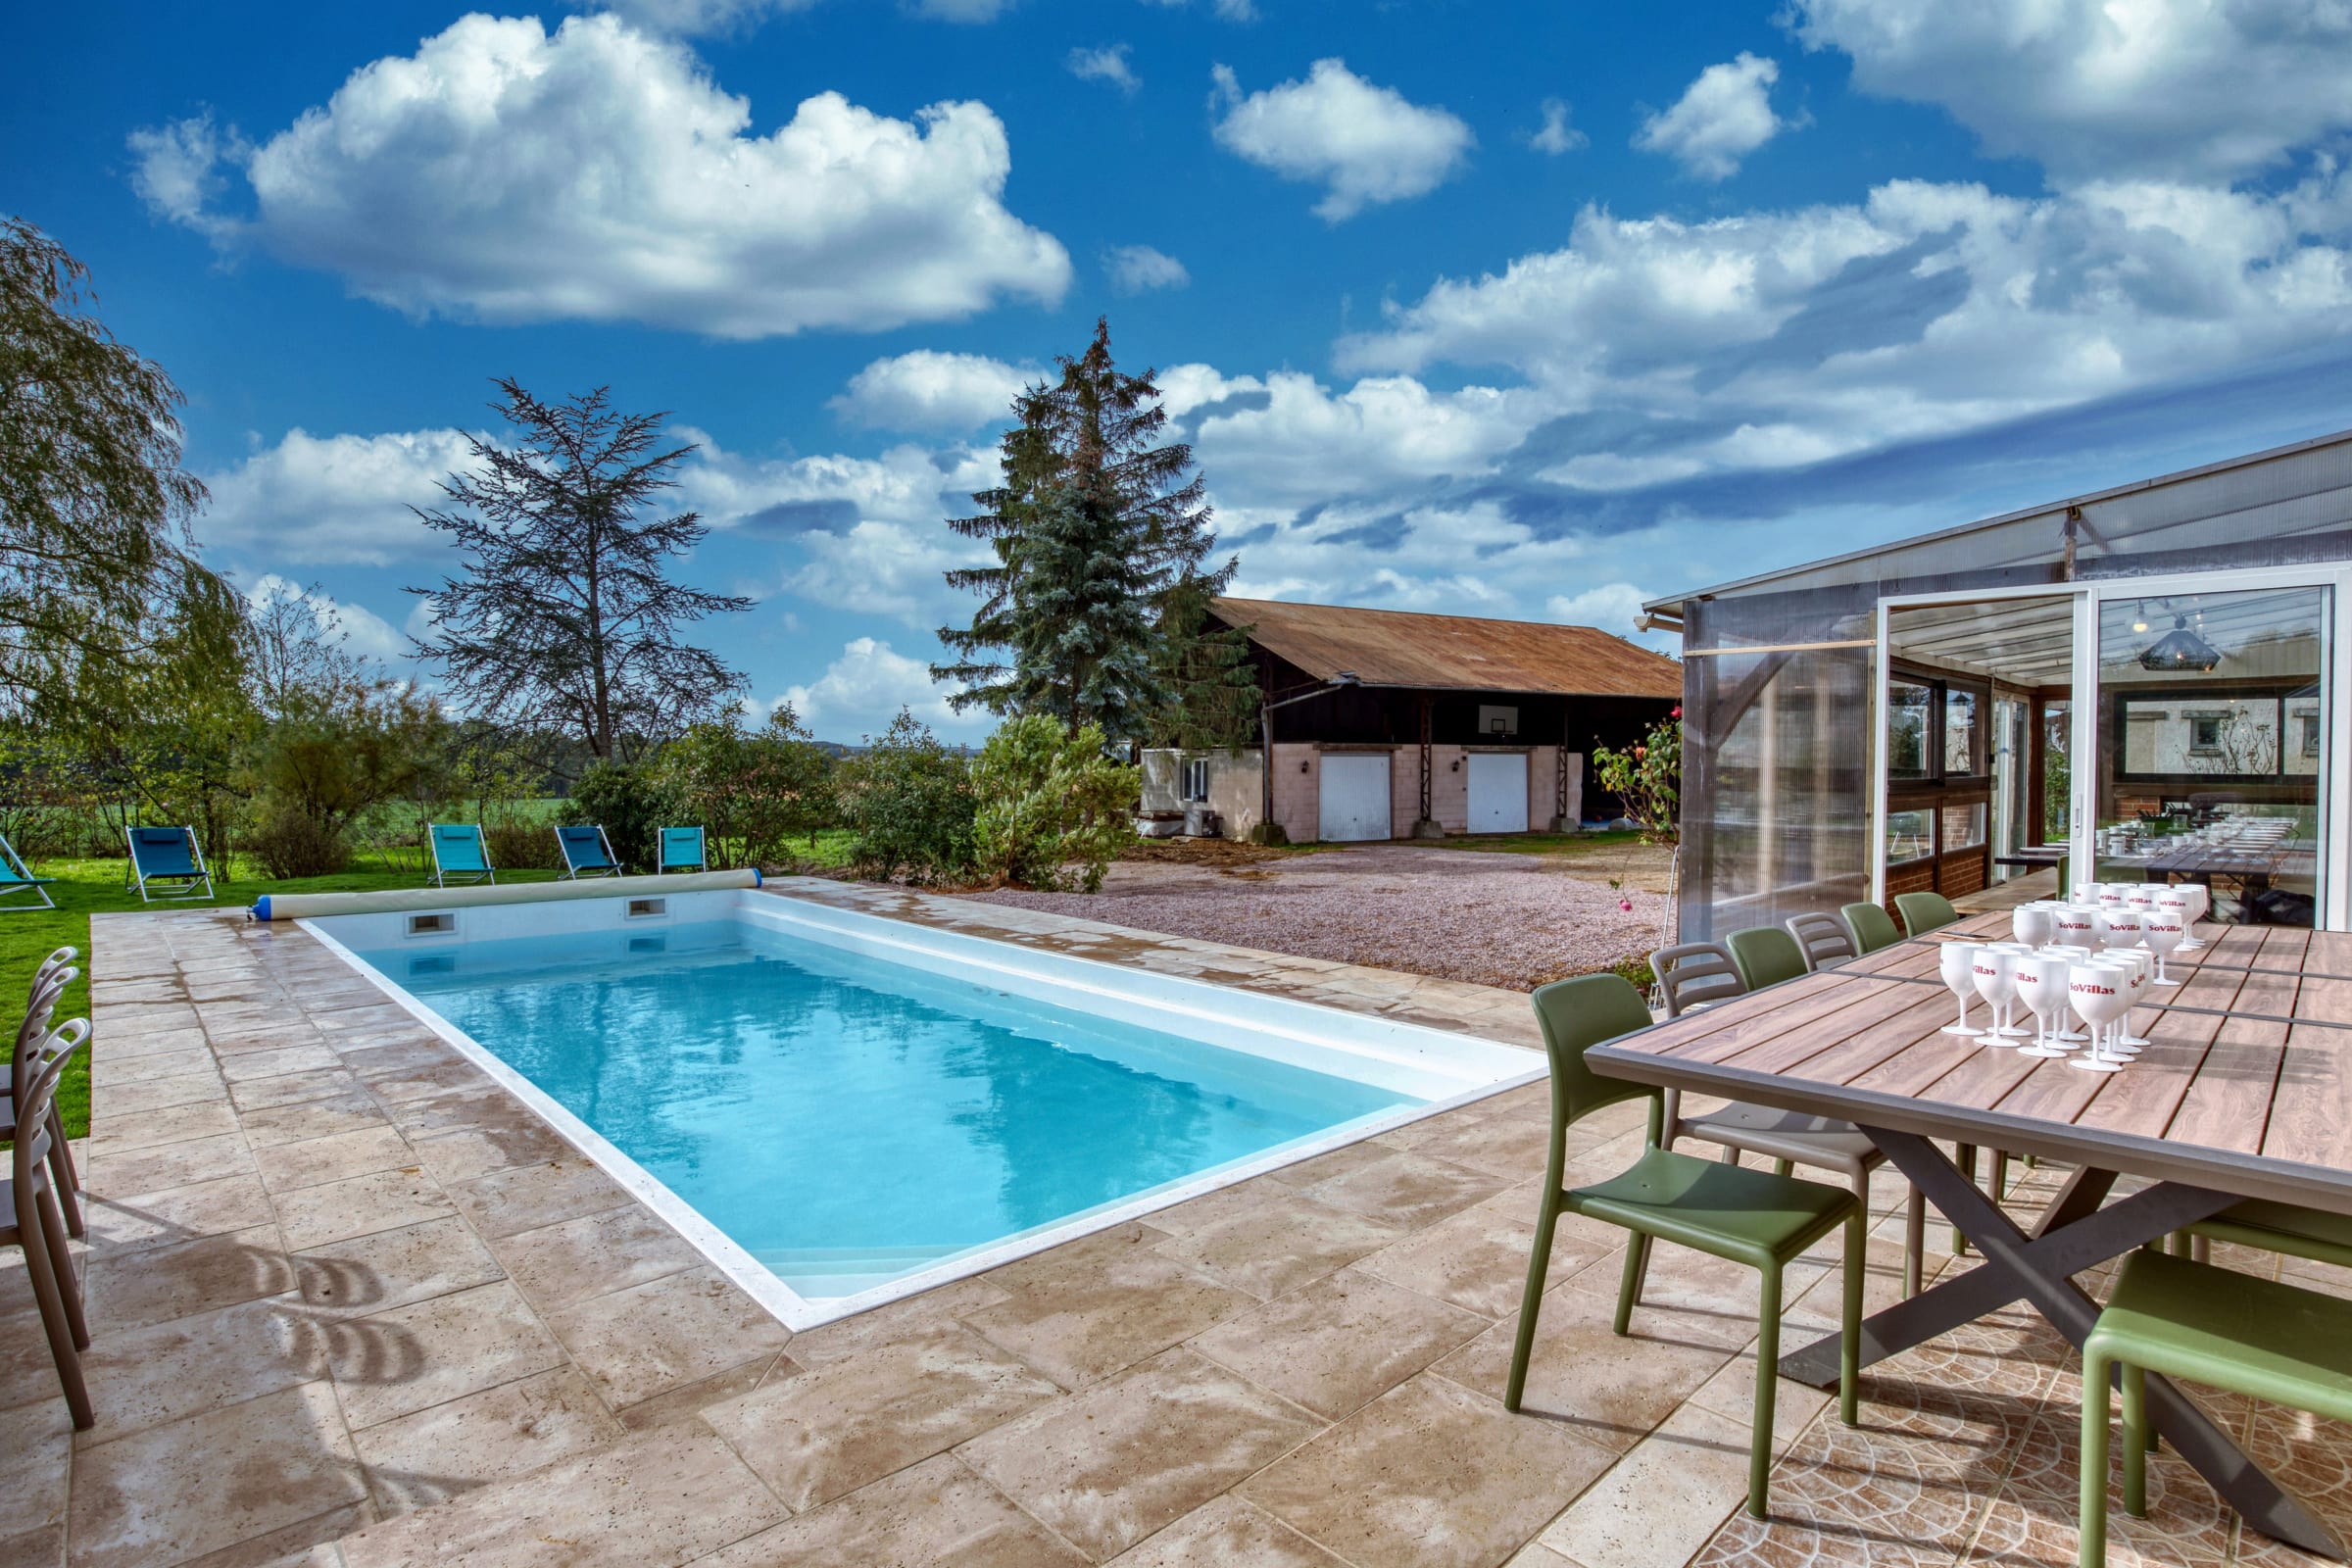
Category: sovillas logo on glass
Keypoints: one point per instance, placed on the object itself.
(2091, 988)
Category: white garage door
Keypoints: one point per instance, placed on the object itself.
(1354, 797)
(1497, 792)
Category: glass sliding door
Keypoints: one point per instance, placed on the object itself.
(2213, 725)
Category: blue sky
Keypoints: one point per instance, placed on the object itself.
(1518, 310)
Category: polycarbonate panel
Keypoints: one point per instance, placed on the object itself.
(1776, 788)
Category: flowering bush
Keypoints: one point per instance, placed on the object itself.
(1648, 776)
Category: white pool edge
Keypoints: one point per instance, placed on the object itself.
(798, 1313)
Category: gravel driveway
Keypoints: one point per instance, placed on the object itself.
(1493, 919)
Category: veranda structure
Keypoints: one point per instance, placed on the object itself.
(2079, 682)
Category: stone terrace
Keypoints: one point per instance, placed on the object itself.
(354, 1304)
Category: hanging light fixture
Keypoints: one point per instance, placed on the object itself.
(2181, 650)
(2139, 618)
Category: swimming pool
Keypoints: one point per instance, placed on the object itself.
(841, 1109)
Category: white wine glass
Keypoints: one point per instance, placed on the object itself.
(1956, 963)
(2033, 924)
(2042, 980)
(2164, 932)
(1995, 969)
(2099, 995)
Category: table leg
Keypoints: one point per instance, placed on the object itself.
(2073, 1233)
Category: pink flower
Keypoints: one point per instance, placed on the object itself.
(1678, 712)
(1641, 751)
(1627, 905)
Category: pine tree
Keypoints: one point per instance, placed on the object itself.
(564, 613)
(1101, 537)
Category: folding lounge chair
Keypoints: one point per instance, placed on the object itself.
(168, 859)
(16, 878)
(682, 851)
(459, 853)
(586, 853)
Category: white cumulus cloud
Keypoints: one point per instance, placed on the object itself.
(1555, 136)
(688, 17)
(1139, 270)
(335, 500)
(1612, 607)
(1364, 144)
(1719, 119)
(2185, 89)
(356, 628)
(1107, 64)
(928, 390)
(504, 174)
(861, 691)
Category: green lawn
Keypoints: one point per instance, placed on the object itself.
(86, 887)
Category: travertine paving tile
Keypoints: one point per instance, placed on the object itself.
(113, 1072)
(129, 1288)
(1477, 1259)
(348, 1110)
(528, 1197)
(145, 1377)
(290, 1089)
(286, 1168)
(408, 1358)
(661, 1335)
(830, 1430)
(210, 1117)
(1107, 1467)
(1428, 1476)
(1660, 1503)
(358, 1206)
(34, 1464)
(234, 1474)
(469, 1151)
(1266, 1238)
(1407, 1190)
(153, 1170)
(911, 1317)
(1340, 1341)
(392, 1268)
(594, 1254)
(203, 1209)
(443, 1451)
(668, 1496)
(245, 1065)
(1606, 1388)
(1231, 1534)
(1090, 1316)
(936, 1515)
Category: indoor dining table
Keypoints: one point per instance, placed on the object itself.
(2245, 1091)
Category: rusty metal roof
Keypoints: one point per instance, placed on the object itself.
(1453, 653)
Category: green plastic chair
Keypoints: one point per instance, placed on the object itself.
(1872, 926)
(2226, 1330)
(1747, 1216)
(1922, 913)
(2297, 1232)
(1766, 954)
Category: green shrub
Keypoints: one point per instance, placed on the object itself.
(750, 790)
(290, 843)
(1054, 811)
(908, 802)
(631, 804)
(517, 844)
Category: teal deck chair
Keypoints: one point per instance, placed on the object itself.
(16, 878)
(167, 860)
(682, 851)
(460, 855)
(586, 853)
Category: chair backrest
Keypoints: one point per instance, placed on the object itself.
(165, 851)
(31, 1109)
(1873, 927)
(1821, 938)
(57, 959)
(1766, 955)
(1922, 913)
(1575, 1015)
(38, 1006)
(682, 846)
(457, 847)
(583, 848)
(1693, 973)
(12, 864)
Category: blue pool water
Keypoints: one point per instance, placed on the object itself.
(847, 1120)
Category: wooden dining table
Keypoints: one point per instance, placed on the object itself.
(2245, 1091)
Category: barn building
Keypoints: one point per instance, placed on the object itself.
(1388, 724)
